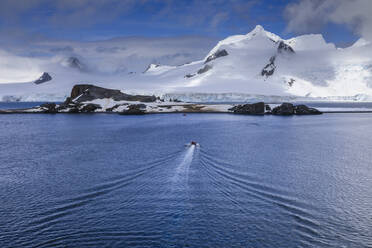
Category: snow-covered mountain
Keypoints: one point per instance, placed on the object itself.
(240, 67)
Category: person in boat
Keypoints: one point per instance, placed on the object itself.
(193, 143)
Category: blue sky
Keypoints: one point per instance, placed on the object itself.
(98, 19)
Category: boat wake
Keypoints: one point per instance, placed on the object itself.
(181, 175)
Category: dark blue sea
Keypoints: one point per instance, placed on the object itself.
(106, 180)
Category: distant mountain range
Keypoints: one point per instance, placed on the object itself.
(239, 67)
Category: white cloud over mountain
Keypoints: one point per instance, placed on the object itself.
(115, 56)
(311, 15)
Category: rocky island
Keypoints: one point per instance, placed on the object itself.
(87, 98)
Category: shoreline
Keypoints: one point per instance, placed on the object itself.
(90, 99)
(24, 111)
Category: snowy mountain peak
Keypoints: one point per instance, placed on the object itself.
(310, 42)
(154, 69)
(260, 31)
(257, 33)
(44, 78)
(73, 62)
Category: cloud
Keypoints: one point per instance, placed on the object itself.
(114, 49)
(18, 69)
(312, 15)
(109, 57)
(219, 18)
(65, 49)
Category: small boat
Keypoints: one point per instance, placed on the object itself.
(192, 143)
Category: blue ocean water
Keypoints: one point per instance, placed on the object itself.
(129, 181)
(18, 105)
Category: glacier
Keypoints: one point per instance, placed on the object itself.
(259, 65)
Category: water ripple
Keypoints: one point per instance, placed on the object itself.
(84, 238)
(302, 213)
(51, 217)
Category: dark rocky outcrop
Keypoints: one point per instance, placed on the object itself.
(87, 92)
(113, 107)
(67, 104)
(49, 108)
(89, 108)
(284, 109)
(75, 63)
(291, 82)
(269, 69)
(282, 47)
(68, 100)
(290, 109)
(249, 109)
(79, 89)
(218, 54)
(74, 110)
(305, 110)
(82, 93)
(189, 75)
(151, 66)
(205, 69)
(44, 78)
(134, 109)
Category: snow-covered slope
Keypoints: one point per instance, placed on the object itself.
(242, 66)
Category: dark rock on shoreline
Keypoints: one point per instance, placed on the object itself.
(83, 96)
(284, 109)
(134, 109)
(114, 107)
(49, 108)
(74, 110)
(88, 92)
(305, 110)
(89, 108)
(78, 101)
(68, 104)
(290, 109)
(249, 109)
